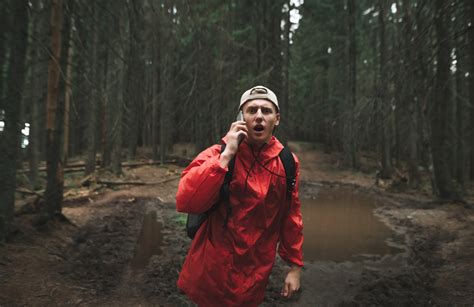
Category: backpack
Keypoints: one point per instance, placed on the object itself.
(194, 221)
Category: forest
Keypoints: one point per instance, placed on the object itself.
(99, 85)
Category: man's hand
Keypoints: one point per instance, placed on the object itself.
(292, 282)
(237, 131)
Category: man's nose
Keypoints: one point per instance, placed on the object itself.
(259, 114)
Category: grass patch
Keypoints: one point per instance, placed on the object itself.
(180, 218)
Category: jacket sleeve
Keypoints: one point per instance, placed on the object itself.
(290, 248)
(200, 182)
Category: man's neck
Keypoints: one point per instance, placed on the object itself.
(258, 144)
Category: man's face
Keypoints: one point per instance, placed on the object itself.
(261, 117)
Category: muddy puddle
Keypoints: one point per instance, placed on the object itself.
(149, 243)
(340, 225)
(346, 246)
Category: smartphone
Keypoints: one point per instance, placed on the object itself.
(240, 117)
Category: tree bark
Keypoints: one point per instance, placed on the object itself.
(105, 78)
(135, 75)
(95, 98)
(117, 127)
(285, 80)
(35, 92)
(3, 25)
(352, 55)
(460, 164)
(441, 105)
(414, 178)
(68, 91)
(107, 109)
(387, 169)
(163, 108)
(3, 38)
(155, 100)
(471, 87)
(10, 136)
(54, 186)
(165, 84)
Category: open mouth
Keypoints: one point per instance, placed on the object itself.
(258, 128)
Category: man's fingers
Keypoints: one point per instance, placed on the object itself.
(237, 126)
(237, 123)
(290, 291)
(242, 134)
(292, 283)
(241, 126)
(285, 290)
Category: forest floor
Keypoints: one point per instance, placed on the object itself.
(93, 257)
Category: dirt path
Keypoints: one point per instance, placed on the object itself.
(89, 261)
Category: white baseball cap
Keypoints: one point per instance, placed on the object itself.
(259, 92)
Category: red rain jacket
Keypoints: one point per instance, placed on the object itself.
(231, 266)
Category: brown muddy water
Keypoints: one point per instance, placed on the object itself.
(339, 225)
(149, 242)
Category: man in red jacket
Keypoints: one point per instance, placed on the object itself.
(230, 265)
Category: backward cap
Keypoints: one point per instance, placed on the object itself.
(259, 92)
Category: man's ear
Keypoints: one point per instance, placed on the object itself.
(277, 119)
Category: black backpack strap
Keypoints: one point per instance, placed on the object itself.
(225, 191)
(194, 221)
(289, 164)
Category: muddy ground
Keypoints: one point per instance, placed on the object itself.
(93, 258)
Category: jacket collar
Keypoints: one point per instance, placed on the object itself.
(269, 150)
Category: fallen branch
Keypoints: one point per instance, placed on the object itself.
(164, 180)
(108, 182)
(135, 164)
(76, 167)
(30, 192)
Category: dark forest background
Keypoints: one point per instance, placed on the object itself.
(99, 79)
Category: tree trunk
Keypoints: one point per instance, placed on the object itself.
(376, 120)
(54, 187)
(68, 91)
(471, 87)
(116, 155)
(460, 165)
(164, 102)
(95, 98)
(165, 85)
(441, 105)
(108, 107)
(33, 138)
(285, 81)
(10, 136)
(154, 123)
(352, 55)
(384, 117)
(135, 74)
(116, 158)
(3, 38)
(414, 178)
(156, 100)
(106, 123)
